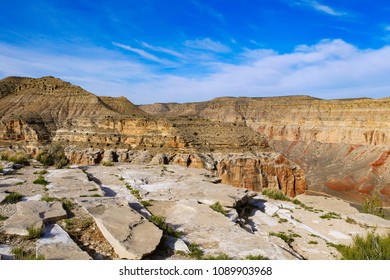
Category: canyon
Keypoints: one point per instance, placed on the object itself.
(166, 168)
(342, 145)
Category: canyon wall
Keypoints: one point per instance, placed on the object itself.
(92, 129)
(342, 145)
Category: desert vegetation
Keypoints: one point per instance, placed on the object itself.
(52, 155)
(371, 247)
(374, 206)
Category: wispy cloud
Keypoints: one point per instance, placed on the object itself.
(320, 7)
(328, 69)
(140, 52)
(208, 45)
(163, 50)
(387, 28)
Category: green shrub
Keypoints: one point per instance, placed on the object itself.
(70, 223)
(371, 247)
(41, 181)
(134, 192)
(350, 221)
(256, 257)
(282, 235)
(275, 194)
(12, 198)
(282, 220)
(159, 221)
(67, 204)
(19, 157)
(222, 257)
(313, 242)
(330, 215)
(107, 163)
(48, 198)
(217, 207)
(3, 218)
(195, 251)
(53, 154)
(146, 203)
(35, 232)
(20, 254)
(374, 206)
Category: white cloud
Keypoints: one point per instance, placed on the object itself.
(163, 50)
(140, 52)
(387, 28)
(321, 7)
(328, 69)
(208, 45)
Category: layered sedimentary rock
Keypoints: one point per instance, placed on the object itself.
(342, 145)
(93, 129)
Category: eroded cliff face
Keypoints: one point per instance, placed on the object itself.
(243, 170)
(342, 145)
(36, 112)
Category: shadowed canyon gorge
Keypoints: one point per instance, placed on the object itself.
(176, 161)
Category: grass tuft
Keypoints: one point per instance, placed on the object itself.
(275, 194)
(146, 203)
(67, 204)
(350, 221)
(374, 206)
(3, 218)
(18, 157)
(286, 238)
(195, 251)
(41, 181)
(371, 247)
(330, 215)
(35, 232)
(48, 198)
(12, 198)
(217, 207)
(256, 257)
(159, 221)
(107, 163)
(21, 254)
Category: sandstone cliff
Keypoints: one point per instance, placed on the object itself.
(35, 112)
(341, 144)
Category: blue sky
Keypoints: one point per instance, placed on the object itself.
(194, 50)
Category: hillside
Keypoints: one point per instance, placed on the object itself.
(341, 144)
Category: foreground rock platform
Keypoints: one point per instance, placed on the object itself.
(33, 214)
(56, 244)
(130, 234)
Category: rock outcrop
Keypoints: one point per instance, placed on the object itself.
(96, 129)
(342, 145)
(33, 215)
(130, 234)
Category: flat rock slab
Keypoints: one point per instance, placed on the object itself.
(71, 183)
(130, 234)
(8, 182)
(33, 214)
(180, 183)
(329, 204)
(56, 244)
(5, 252)
(214, 232)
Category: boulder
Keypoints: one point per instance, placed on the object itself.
(71, 183)
(56, 244)
(33, 214)
(123, 227)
